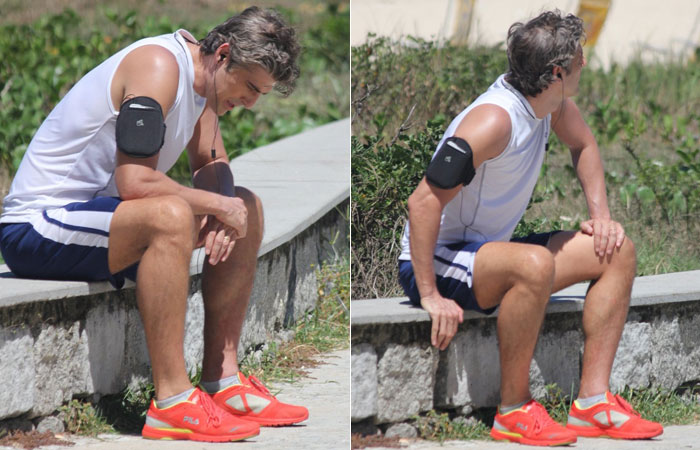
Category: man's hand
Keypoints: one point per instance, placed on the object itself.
(446, 316)
(236, 216)
(607, 235)
(218, 234)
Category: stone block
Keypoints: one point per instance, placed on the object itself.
(364, 382)
(676, 345)
(61, 358)
(401, 430)
(105, 327)
(194, 327)
(556, 361)
(469, 371)
(405, 381)
(50, 423)
(633, 361)
(16, 363)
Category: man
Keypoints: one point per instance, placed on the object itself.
(457, 249)
(91, 201)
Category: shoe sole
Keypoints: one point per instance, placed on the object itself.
(159, 434)
(263, 422)
(597, 432)
(499, 436)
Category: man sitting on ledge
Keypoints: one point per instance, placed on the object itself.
(91, 201)
(457, 248)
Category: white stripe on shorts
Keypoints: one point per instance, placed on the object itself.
(97, 220)
(460, 268)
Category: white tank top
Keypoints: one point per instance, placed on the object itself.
(72, 157)
(490, 207)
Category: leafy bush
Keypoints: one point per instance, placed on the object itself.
(43, 61)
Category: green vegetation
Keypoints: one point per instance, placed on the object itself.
(667, 407)
(44, 59)
(646, 118)
(324, 329)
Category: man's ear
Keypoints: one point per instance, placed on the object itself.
(222, 52)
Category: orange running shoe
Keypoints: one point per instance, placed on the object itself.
(531, 425)
(196, 419)
(614, 418)
(252, 401)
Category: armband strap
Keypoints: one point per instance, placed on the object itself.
(452, 164)
(140, 127)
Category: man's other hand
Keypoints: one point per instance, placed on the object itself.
(446, 316)
(236, 216)
(607, 235)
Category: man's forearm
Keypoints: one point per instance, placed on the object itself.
(424, 220)
(136, 182)
(590, 172)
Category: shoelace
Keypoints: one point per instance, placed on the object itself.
(257, 384)
(212, 411)
(542, 419)
(626, 406)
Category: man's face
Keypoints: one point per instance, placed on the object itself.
(572, 79)
(241, 87)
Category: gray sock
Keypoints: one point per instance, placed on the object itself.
(590, 401)
(505, 409)
(170, 401)
(215, 386)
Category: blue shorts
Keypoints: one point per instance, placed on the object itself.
(454, 266)
(67, 243)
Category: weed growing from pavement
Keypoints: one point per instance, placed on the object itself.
(82, 418)
(325, 328)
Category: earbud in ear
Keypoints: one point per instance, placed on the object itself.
(559, 76)
(222, 57)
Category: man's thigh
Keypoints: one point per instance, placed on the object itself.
(498, 266)
(67, 243)
(575, 259)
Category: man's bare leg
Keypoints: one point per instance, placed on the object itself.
(160, 233)
(226, 289)
(519, 277)
(607, 300)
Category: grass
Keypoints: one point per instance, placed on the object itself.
(324, 329)
(680, 407)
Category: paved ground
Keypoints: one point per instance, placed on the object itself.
(326, 392)
(674, 438)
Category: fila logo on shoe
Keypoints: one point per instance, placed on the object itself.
(521, 426)
(189, 419)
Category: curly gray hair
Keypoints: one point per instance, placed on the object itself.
(258, 36)
(536, 47)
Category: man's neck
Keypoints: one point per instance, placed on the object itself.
(547, 101)
(199, 69)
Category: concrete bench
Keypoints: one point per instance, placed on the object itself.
(396, 374)
(64, 339)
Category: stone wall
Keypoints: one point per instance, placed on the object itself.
(396, 374)
(52, 351)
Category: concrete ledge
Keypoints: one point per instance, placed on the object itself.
(66, 339)
(660, 347)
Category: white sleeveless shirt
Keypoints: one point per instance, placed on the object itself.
(490, 207)
(72, 157)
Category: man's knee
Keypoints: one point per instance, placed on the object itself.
(626, 256)
(173, 217)
(538, 267)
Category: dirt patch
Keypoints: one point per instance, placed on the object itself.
(361, 441)
(32, 439)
